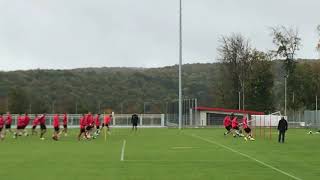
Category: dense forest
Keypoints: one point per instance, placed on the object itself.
(127, 90)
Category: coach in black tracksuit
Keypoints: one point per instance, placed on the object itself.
(134, 121)
(282, 128)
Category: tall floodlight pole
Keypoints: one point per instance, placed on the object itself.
(285, 95)
(180, 63)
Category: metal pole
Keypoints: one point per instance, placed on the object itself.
(316, 110)
(243, 96)
(76, 107)
(180, 62)
(285, 96)
(239, 93)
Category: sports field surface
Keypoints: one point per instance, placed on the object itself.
(163, 154)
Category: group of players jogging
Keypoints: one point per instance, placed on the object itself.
(89, 125)
(232, 126)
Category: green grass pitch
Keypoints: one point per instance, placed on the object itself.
(161, 154)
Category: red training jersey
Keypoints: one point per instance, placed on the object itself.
(234, 122)
(9, 119)
(35, 122)
(107, 119)
(1, 121)
(65, 119)
(90, 120)
(26, 120)
(83, 122)
(20, 121)
(245, 122)
(56, 121)
(42, 120)
(227, 121)
(97, 120)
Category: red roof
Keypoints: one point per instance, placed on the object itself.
(229, 110)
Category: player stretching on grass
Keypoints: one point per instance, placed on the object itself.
(65, 124)
(1, 127)
(227, 124)
(247, 129)
(83, 124)
(43, 127)
(56, 127)
(8, 122)
(35, 123)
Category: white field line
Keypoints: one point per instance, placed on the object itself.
(247, 156)
(122, 150)
(185, 148)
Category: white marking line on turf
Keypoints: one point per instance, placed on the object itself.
(122, 150)
(247, 156)
(185, 148)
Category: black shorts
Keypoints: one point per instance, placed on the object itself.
(228, 128)
(56, 129)
(8, 126)
(1, 128)
(98, 127)
(43, 126)
(236, 128)
(88, 128)
(134, 124)
(82, 130)
(247, 130)
(20, 127)
(34, 127)
(65, 126)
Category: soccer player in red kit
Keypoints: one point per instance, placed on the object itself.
(83, 124)
(20, 126)
(90, 124)
(97, 123)
(43, 127)
(8, 122)
(35, 123)
(26, 120)
(235, 125)
(227, 124)
(65, 124)
(1, 126)
(247, 129)
(56, 127)
(106, 122)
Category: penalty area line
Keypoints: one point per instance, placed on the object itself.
(247, 156)
(122, 150)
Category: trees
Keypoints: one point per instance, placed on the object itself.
(287, 42)
(234, 53)
(18, 100)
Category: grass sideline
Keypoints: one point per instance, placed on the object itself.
(160, 154)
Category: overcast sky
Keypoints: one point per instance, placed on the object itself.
(59, 34)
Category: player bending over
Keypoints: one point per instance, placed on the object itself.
(43, 127)
(56, 127)
(82, 124)
(227, 124)
(247, 129)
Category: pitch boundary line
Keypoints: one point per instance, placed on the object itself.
(122, 150)
(247, 156)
